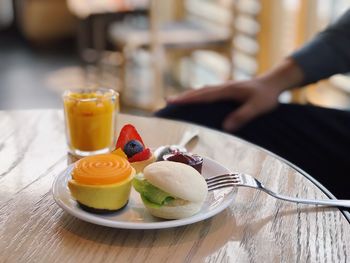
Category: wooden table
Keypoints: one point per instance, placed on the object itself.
(255, 227)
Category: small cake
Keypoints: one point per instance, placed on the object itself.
(130, 142)
(193, 160)
(101, 183)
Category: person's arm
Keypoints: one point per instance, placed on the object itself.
(327, 54)
(257, 96)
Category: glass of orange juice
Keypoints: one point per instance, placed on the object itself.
(90, 120)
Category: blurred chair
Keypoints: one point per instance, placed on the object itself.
(6, 13)
(205, 25)
(44, 22)
(94, 17)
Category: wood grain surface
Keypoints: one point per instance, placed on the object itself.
(255, 227)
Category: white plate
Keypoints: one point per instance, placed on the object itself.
(135, 215)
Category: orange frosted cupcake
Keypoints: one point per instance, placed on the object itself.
(101, 183)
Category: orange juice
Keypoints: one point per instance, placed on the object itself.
(90, 120)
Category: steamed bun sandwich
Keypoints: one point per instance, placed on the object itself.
(130, 142)
(101, 183)
(171, 190)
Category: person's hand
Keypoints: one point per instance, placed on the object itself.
(256, 97)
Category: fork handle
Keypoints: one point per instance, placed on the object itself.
(337, 203)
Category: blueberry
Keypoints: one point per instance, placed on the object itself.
(133, 147)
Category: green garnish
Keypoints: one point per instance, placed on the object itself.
(151, 194)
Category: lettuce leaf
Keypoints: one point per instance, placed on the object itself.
(151, 194)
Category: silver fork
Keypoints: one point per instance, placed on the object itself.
(239, 179)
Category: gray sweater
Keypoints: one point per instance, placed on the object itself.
(328, 53)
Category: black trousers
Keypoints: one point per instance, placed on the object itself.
(313, 138)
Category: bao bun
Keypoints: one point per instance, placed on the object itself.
(181, 181)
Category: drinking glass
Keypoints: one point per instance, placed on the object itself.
(90, 120)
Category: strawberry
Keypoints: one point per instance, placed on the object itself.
(128, 133)
(141, 156)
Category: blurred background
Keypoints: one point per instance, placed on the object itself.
(148, 50)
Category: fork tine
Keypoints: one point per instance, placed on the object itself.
(215, 187)
(221, 181)
(223, 176)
